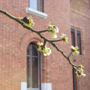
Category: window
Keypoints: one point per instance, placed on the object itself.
(73, 42)
(33, 67)
(73, 37)
(74, 80)
(37, 5)
(76, 39)
(79, 41)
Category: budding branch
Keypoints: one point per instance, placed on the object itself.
(41, 36)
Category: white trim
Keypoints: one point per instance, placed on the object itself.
(44, 86)
(23, 86)
(33, 88)
(35, 12)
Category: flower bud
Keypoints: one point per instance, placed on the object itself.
(46, 51)
(53, 29)
(64, 38)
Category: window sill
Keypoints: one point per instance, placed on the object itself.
(35, 12)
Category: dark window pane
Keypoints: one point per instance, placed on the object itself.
(34, 51)
(41, 5)
(28, 71)
(28, 51)
(34, 72)
(74, 80)
(73, 37)
(73, 71)
(79, 41)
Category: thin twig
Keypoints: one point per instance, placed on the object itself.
(56, 40)
(44, 43)
(69, 54)
(43, 31)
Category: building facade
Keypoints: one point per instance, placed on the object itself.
(22, 67)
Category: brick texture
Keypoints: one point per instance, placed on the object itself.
(14, 40)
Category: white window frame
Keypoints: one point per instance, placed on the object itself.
(35, 11)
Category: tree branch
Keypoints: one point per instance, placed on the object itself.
(56, 40)
(43, 31)
(39, 33)
(69, 54)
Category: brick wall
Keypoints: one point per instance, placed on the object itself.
(14, 40)
(80, 18)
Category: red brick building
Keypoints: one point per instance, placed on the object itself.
(54, 72)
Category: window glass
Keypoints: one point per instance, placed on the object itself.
(34, 50)
(76, 39)
(37, 5)
(79, 41)
(73, 42)
(74, 80)
(34, 72)
(28, 71)
(33, 4)
(73, 37)
(33, 67)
